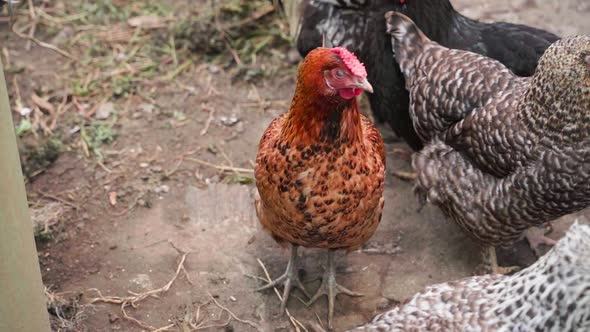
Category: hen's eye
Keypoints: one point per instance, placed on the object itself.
(339, 73)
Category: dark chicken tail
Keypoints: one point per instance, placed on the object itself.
(406, 39)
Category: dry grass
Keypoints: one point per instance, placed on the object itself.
(66, 314)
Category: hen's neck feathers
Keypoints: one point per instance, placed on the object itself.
(316, 118)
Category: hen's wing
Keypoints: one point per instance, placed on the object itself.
(497, 210)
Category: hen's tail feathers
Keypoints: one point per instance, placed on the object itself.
(407, 40)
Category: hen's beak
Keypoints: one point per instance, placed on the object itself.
(363, 83)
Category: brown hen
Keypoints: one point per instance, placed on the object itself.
(320, 168)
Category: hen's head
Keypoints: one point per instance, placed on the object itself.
(561, 87)
(566, 63)
(332, 73)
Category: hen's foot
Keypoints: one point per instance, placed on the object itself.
(331, 288)
(289, 279)
(490, 264)
(536, 237)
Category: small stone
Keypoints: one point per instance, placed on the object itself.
(113, 318)
(104, 111)
(25, 111)
(74, 130)
(162, 189)
(233, 299)
(146, 108)
(213, 69)
(157, 169)
(143, 165)
(240, 127)
(229, 121)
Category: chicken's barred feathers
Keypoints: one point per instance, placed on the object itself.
(551, 295)
(519, 155)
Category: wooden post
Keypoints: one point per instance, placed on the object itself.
(22, 302)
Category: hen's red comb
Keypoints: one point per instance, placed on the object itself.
(351, 61)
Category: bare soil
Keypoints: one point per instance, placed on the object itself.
(122, 220)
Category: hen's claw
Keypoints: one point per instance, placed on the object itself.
(536, 237)
(331, 288)
(289, 279)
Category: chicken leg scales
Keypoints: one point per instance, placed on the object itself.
(289, 279)
(331, 288)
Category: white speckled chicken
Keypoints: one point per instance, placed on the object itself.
(551, 295)
(506, 153)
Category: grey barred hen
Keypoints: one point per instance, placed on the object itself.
(553, 294)
(506, 153)
(359, 25)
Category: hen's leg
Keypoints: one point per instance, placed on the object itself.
(490, 262)
(331, 288)
(289, 279)
(536, 237)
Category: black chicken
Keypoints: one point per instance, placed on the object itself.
(359, 26)
(506, 152)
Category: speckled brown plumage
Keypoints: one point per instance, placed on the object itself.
(322, 194)
(320, 167)
(506, 153)
(551, 295)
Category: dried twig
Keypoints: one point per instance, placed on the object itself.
(45, 45)
(254, 325)
(135, 298)
(208, 122)
(34, 21)
(406, 176)
(221, 167)
(59, 199)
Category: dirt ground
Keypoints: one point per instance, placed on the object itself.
(125, 223)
